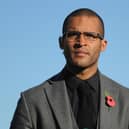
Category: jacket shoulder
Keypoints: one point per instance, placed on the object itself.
(39, 89)
(36, 90)
(122, 89)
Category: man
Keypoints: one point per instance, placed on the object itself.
(80, 96)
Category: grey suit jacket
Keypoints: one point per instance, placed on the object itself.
(47, 106)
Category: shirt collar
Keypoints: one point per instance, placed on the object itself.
(94, 81)
(73, 82)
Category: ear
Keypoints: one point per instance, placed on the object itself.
(103, 45)
(61, 43)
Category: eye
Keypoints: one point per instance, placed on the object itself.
(72, 34)
(90, 35)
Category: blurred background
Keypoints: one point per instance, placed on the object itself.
(29, 51)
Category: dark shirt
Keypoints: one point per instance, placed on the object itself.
(91, 88)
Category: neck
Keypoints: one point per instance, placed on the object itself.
(82, 73)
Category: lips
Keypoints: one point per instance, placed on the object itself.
(81, 53)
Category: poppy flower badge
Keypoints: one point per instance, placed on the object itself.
(109, 100)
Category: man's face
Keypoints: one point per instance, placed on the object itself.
(82, 49)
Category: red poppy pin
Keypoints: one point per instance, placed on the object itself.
(109, 100)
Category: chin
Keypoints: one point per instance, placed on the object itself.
(77, 65)
(81, 63)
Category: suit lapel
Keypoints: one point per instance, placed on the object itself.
(108, 115)
(59, 101)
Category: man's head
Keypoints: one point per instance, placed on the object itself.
(83, 12)
(82, 40)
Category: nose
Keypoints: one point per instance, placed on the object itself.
(81, 40)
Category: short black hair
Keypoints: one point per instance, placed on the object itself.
(81, 12)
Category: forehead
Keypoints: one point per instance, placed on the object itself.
(84, 23)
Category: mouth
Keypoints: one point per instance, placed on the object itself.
(81, 53)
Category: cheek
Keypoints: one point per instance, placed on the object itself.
(68, 52)
(95, 51)
(68, 47)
